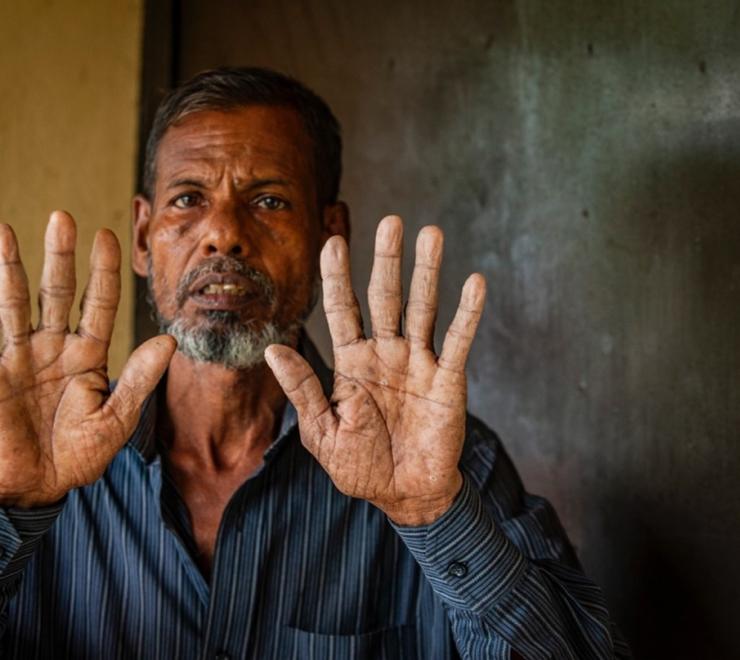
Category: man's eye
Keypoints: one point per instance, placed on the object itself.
(186, 201)
(271, 203)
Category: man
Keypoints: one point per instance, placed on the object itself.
(256, 506)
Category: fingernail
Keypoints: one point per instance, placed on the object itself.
(336, 247)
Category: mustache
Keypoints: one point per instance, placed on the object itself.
(265, 286)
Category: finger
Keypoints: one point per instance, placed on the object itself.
(462, 329)
(15, 307)
(140, 375)
(302, 387)
(100, 301)
(340, 304)
(421, 308)
(57, 290)
(384, 293)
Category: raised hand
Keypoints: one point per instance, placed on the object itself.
(59, 427)
(394, 429)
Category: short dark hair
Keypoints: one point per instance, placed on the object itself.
(228, 88)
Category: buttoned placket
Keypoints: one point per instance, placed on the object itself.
(229, 629)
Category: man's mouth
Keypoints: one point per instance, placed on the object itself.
(224, 291)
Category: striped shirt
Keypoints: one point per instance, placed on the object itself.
(299, 571)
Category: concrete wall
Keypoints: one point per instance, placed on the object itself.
(69, 82)
(585, 156)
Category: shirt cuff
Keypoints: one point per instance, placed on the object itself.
(468, 561)
(21, 530)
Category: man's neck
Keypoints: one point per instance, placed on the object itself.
(217, 426)
(220, 418)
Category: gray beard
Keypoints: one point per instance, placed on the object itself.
(235, 346)
(222, 338)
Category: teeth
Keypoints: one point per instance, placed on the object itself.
(230, 289)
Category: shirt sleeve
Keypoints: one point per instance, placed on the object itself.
(503, 567)
(21, 531)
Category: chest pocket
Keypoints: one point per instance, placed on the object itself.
(396, 643)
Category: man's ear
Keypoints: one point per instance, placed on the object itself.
(142, 212)
(335, 221)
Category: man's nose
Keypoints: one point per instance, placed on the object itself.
(225, 232)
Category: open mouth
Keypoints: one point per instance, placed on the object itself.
(223, 291)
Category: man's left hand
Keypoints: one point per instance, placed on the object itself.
(394, 430)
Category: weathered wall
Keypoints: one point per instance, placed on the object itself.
(584, 155)
(69, 82)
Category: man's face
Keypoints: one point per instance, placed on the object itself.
(230, 240)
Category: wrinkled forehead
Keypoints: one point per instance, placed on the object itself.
(251, 140)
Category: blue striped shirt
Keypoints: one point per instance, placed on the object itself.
(299, 571)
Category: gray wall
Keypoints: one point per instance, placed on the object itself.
(585, 156)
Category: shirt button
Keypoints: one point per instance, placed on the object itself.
(457, 569)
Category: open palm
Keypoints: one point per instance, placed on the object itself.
(394, 429)
(59, 427)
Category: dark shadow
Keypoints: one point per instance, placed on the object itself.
(671, 531)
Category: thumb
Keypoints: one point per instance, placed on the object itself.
(139, 377)
(302, 387)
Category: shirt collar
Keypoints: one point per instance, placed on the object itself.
(144, 440)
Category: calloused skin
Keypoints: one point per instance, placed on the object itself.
(59, 427)
(392, 434)
(394, 429)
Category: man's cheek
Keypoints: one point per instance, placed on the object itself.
(164, 296)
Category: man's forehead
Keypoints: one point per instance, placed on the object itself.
(250, 136)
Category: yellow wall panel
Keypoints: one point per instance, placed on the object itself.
(69, 84)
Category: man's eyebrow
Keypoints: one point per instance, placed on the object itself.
(194, 183)
(251, 185)
(260, 183)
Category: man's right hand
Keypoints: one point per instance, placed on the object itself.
(59, 426)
